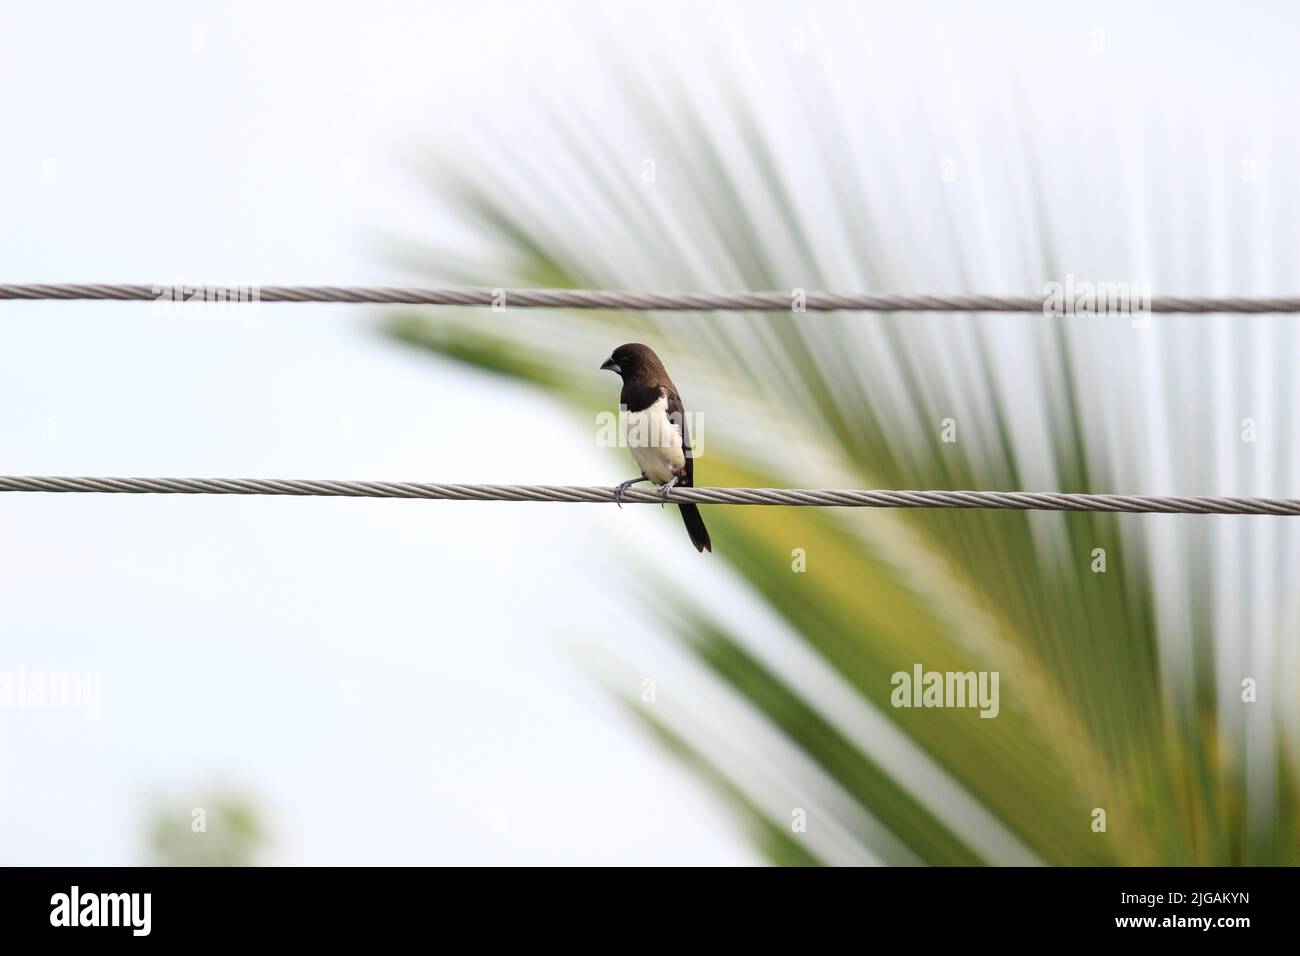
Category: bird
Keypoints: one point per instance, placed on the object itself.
(654, 423)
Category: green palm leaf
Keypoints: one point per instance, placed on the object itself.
(1088, 718)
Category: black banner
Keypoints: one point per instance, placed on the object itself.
(673, 906)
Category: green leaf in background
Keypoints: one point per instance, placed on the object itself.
(1090, 718)
(217, 828)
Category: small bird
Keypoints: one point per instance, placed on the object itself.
(655, 427)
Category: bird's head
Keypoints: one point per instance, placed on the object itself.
(632, 361)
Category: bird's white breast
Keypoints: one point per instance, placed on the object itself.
(654, 441)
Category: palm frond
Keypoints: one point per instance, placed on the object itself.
(1090, 715)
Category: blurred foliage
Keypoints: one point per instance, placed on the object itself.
(1087, 718)
(216, 829)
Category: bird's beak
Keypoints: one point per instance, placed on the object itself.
(610, 364)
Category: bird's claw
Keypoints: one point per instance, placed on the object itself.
(623, 486)
(666, 487)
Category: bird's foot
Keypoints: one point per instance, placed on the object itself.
(666, 487)
(624, 486)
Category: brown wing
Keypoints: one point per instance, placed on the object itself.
(690, 513)
(677, 415)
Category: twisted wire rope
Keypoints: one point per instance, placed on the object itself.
(618, 300)
(596, 494)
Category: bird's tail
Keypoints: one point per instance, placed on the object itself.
(695, 527)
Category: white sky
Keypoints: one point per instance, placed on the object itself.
(263, 143)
